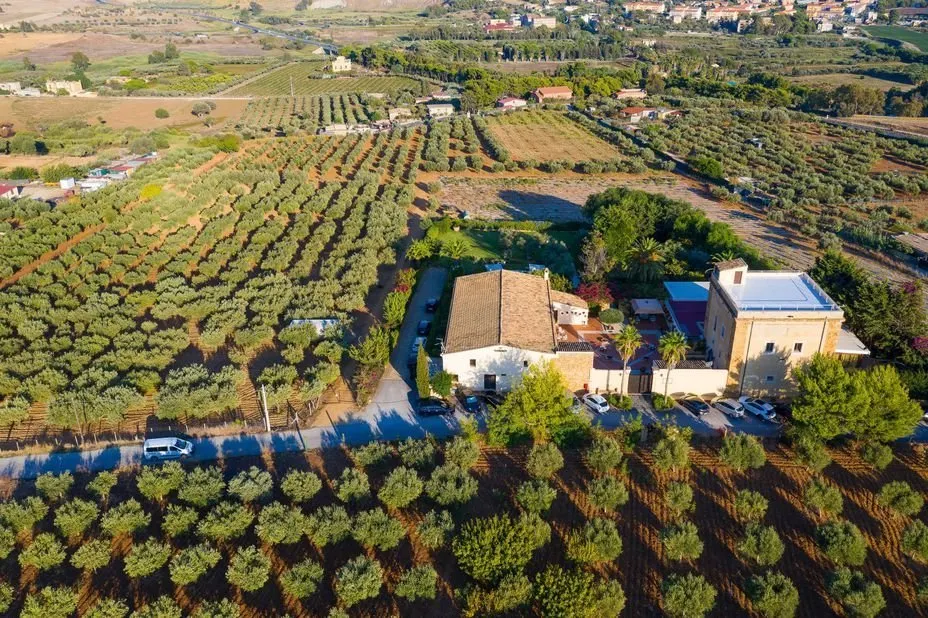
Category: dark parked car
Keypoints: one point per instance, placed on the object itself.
(431, 305)
(424, 327)
(472, 404)
(434, 407)
(695, 405)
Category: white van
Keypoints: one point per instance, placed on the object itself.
(158, 449)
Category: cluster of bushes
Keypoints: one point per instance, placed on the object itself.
(435, 151)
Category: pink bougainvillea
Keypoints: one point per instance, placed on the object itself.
(595, 293)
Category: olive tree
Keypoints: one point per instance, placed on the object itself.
(773, 595)
(741, 452)
(607, 493)
(598, 541)
(860, 597)
(419, 582)
(45, 552)
(7, 594)
(681, 542)
(824, 498)
(375, 528)
(451, 484)
(124, 518)
(54, 487)
(7, 542)
(915, 541)
(679, 499)
(687, 596)
(761, 544)
(22, 515)
(92, 555)
(280, 525)
(462, 452)
(417, 453)
(143, 560)
(155, 483)
(577, 594)
(249, 569)
(672, 451)
(301, 486)
(843, 542)
(202, 487)
(191, 563)
(73, 518)
(162, 607)
(536, 496)
(178, 520)
(604, 455)
(108, 608)
(877, 455)
(544, 460)
(400, 488)
(352, 485)
(251, 485)
(359, 579)
(435, 528)
(50, 602)
(371, 454)
(327, 525)
(225, 521)
(102, 484)
(488, 548)
(750, 506)
(901, 498)
(223, 608)
(302, 579)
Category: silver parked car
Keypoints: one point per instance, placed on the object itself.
(759, 408)
(729, 407)
(164, 449)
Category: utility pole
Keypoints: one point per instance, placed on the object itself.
(267, 418)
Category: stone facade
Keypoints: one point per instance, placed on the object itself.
(576, 367)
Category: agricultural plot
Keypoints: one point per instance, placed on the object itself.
(820, 178)
(291, 114)
(306, 79)
(898, 33)
(548, 136)
(449, 530)
(840, 79)
(179, 281)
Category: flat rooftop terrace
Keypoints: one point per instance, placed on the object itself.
(779, 291)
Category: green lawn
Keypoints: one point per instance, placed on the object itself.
(898, 33)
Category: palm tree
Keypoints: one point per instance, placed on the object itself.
(672, 347)
(626, 341)
(723, 256)
(646, 260)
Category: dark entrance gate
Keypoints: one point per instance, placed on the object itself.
(639, 382)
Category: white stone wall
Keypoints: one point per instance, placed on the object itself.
(505, 362)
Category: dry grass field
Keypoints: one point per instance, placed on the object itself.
(119, 113)
(840, 79)
(548, 136)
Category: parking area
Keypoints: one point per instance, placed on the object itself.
(713, 423)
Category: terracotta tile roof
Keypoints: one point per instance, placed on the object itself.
(566, 298)
(500, 308)
(553, 91)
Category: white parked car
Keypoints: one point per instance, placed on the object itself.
(729, 407)
(596, 403)
(758, 407)
(163, 449)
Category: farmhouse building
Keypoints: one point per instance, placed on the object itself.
(8, 192)
(72, 88)
(341, 64)
(511, 103)
(11, 87)
(637, 114)
(539, 21)
(553, 93)
(760, 325)
(502, 321)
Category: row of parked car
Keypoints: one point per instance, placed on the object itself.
(468, 403)
(763, 410)
(697, 405)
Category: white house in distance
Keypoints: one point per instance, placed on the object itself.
(502, 321)
(341, 64)
(511, 103)
(11, 87)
